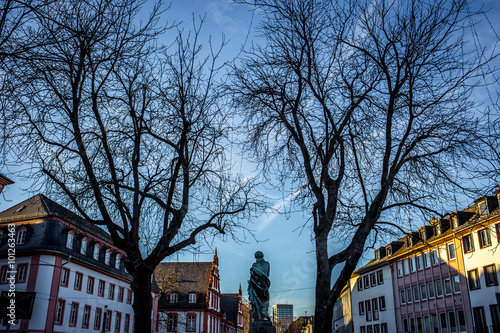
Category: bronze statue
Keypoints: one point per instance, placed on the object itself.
(258, 287)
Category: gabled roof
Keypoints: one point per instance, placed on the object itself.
(40, 206)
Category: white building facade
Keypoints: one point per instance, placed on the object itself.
(75, 274)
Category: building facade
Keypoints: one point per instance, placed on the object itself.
(191, 299)
(282, 316)
(342, 312)
(69, 267)
(372, 300)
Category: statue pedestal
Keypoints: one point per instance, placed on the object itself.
(265, 326)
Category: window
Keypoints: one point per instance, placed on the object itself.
(495, 318)
(389, 251)
(412, 264)
(484, 238)
(21, 236)
(409, 297)
(400, 268)
(69, 239)
(423, 292)
(497, 227)
(447, 286)
(430, 289)
(120, 294)
(86, 316)
(406, 268)
(454, 222)
(483, 209)
(416, 294)
(129, 296)
(424, 235)
(360, 283)
(100, 288)
(480, 319)
(111, 291)
(118, 321)
(73, 315)
(107, 257)
(455, 281)
(366, 281)
(64, 277)
(96, 252)
(4, 274)
(435, 258)
(419, 262)
(21, 273)
(380, 277)
(474, 279)
(442, 320)
(377, 255)
(373, 280)
(362, 329)
(90, 285)
(126, 324)
(490, 275)
(439, 288)
(107, 320)
(461, 321)
(97, 319)
(192, 298)
(383, 328)
(402, 297)
(368, 309)
(60, 311)
(451, 251)
(191, 323)
(172, 323)
(468, 244)
(83, 245)
(361, 306)
(78, 281)
(375, 308)
(117, 261)
(381, 303)
(427, 260)
(173, 298)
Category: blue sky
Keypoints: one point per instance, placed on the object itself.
(286, 245)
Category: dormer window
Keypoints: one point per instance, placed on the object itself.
(377, 255)
(410, 241)
(21, 236)
(454, 222)
(483, 208)
(192, 298)
(20, 209)
(173, 298)
(96, 251)
(438, 229)
(117, 261)
(69, 239)
(83, 246)
(389, 251)
(107, 257)
(424, 235)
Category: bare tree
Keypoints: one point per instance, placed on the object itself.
(361, 109)
(134, 138)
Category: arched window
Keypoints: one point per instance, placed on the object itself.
(83, 246)
(70, 239)
(117, 260)
(107, 257)
(21, 235)
(97, 247)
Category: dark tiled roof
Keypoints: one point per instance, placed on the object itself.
(4, 180)
(40, 206)
(188, 277)
(229, 304)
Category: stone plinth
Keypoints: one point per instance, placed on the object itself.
(265, 326)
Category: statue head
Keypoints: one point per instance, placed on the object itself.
(259, 255)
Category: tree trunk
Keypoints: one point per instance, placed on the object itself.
(323, 313)
(141, 286)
